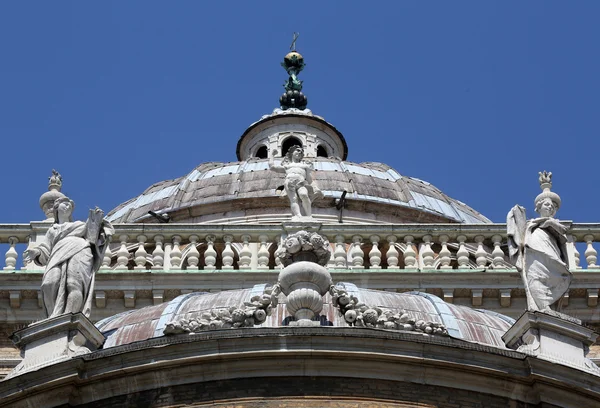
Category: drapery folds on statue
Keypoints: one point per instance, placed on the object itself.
(72, 253)
(539, 249)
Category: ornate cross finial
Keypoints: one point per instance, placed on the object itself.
(293, 63)
(294, 38)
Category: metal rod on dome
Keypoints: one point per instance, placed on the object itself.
(340, 204)
(164, 218)
(295, 37)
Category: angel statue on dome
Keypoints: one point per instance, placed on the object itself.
(299, 185)
(539, 249)
(72, 252)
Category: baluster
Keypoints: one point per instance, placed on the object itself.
(480, 254)
(122, 254)
(444, 253)
(245, 253)
(176, 253)
(392, 253)
(263, 253)
(497, 254)
(331, 262)
(11, 255)
(193, 257)
(462, 254)
(410, 256)
(427, 252)
(210, 255)
(278, 263)
(228, 253)
(107, 259)
(339, 254)
(357, 253)
(591, 255)
(158, 255)
(375, 253)
(576, 254)
(141, 254)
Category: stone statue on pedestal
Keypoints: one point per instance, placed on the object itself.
(72, 252)
(538, 247)
(299, 186)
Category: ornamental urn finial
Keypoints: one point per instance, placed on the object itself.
(545, 180)
(304, 280)
(293, 63)
(49, 197)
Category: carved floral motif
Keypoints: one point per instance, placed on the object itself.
(359, 314)
(304, 246)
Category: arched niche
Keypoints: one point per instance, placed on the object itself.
(321, 151)
(288, 143)
(262, 152)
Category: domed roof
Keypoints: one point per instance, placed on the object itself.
(476, 326)
(248, 191)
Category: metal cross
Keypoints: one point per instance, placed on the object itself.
(293, 46)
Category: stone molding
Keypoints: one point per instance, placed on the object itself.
(55, 339)
(554, 337)
(332, 352)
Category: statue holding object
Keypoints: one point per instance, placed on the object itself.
(72, 252)
(538, 248)
(299, 185)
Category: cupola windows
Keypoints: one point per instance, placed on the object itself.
(321, 152)
(289, 142)
(261, 152)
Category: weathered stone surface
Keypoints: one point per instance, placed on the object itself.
(53, 340)
(72, 252)
(553, 337)
(339, 362)
(359, 314)
(539, 249)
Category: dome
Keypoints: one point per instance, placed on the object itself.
(463, 323)
(247, 191)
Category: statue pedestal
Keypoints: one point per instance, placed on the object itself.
(56, 339)
(305, 224)
(554, 337)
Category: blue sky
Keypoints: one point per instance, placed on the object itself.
(475, 97)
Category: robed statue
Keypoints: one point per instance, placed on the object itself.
(298, 184)
(539, 249)
(72, 252)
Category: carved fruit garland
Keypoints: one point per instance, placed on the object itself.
(253, 313)
(360, 315)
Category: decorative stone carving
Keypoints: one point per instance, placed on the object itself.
(304, 246)
(304, 280)
(359, 314)
(304, 283)
(298, 183)
(49, 197)
(253, 313)
(555, 337)
(72, 253)
(538, 248)
(55, 339)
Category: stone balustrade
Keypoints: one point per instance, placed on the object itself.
(407, 247)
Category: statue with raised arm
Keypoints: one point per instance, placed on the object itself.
(72, 252)
(298, 184)
(538, 248)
